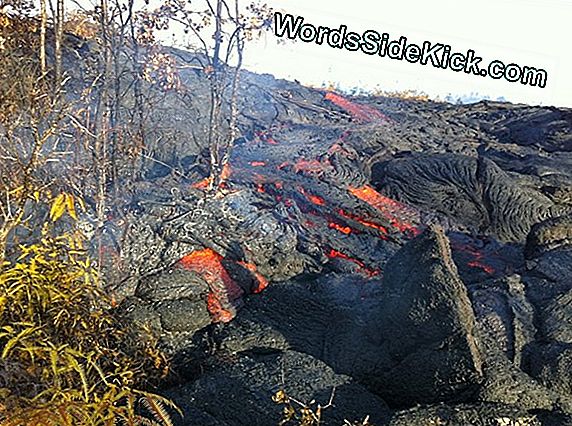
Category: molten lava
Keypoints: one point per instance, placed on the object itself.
(363, 113)
(393, 211)
(314, 199)
(478, 264)
(343, 229)
(364, 222)
(476, 257)
(223, 290)
(308, 166)
(333, 254)
(262, 282)
(205, 183)
(266, 137)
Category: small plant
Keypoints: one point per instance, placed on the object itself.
(298, 413)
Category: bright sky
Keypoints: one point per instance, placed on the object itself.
(536, 33)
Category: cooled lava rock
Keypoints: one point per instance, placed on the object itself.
(473, 191)
(239, 391)
(326, 250)
(427, 326)
(549, 235)
(477, 415)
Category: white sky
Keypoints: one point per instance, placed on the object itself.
(537, 33)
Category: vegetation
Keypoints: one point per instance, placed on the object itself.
(65, 358)
(295, 412)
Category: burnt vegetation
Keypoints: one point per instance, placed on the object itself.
(179, 235)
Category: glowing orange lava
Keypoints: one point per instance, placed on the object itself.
(343, 229)
(271, 141)
(478, 264)
(266, 137)
(262, 282)
(333, 254)
(205, 183)
(364, 222)
(478, 258)
(314, 199)
(223, 289)
(389, 208)
(308, 166)
(363, 113)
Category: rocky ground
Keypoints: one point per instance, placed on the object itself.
(414, 256)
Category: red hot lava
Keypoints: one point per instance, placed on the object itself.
(393, 211)
(314, 199)
(223, 290)
(262, 282)
(308, 166)
(333, 254)
(363, 113)
(205, 183)
(266, 137)
(343, 229)
(476, 258)
(364, 222)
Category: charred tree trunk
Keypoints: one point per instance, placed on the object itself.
(59, 29)
(233, 131)
(102, 122)
(217, 79)
(43, 25)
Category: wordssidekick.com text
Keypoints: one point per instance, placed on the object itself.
(438, 55)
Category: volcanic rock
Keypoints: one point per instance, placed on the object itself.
(547, 128)
(548, 277)
(474, 191)
(551, 364)
(477, 415)
(239, 391)
(427, 324)
(549, 235)
(504, 315)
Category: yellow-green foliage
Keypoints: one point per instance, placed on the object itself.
(64, 358)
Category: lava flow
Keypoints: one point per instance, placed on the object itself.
(334, 254)
(363, 113)
(266, 137)
(261, 282)
(223, 290)
(314, 199)
(343, 229)
(391, 209)
(364, 222)
(205, 183)
(473, 257)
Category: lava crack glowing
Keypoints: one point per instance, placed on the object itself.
(363, 113)
(223, 290)
(392, 210)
